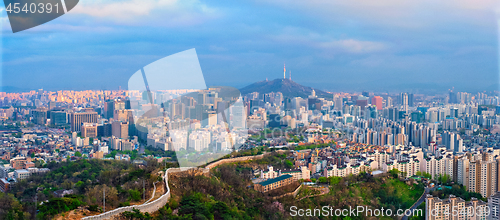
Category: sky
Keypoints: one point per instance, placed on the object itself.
(334, 45)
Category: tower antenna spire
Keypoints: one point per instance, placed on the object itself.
(290, 75)
(284, 71)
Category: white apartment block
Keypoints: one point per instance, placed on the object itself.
(343, 171)
(408, 167)
(438, 209)
(298, 174)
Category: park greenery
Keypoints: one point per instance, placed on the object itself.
(121, 180)
(458, 191)
(226, 194)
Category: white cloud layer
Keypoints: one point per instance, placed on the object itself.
(147, 12)
(396, 13)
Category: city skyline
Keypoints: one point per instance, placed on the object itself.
(187, 109)
(388, 46)
(413, 140)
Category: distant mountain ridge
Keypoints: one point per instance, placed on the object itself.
(288, 87)
(12, 89)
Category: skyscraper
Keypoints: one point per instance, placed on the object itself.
(58, 117)
(120, 129)
(337, 102)
(78, 118)
(453, 97)
(389, 102)
(483, 176)
(411, 100)
(377, 101)
(362, 102)
(404, 101)
(111, 105)
(239, 115)
(39, 116)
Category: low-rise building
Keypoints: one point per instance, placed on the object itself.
(5, 184)
(298, 174)
(21, 163)
(21, 174)
(274, 183)
(269, 173)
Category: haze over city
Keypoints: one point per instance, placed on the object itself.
(253, 109)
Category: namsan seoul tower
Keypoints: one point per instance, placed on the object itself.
(284, 71)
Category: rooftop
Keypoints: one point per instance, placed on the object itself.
(274, 180)
(22, 171)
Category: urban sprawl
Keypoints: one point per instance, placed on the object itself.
(450, 137)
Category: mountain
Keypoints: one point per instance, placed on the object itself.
(288, 87)
(10, 89)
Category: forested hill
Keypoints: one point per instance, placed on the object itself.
(288, 87)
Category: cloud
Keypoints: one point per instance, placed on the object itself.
(325, 42)
(353, 46)
(105, 16)
(147, 12)
(395, 13)
(123, 9)
(244, 41)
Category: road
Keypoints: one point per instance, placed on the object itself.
(419, 201)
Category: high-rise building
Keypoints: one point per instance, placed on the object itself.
(436, 208)
(239, 115)
(123, 115)
(452, 141)
(177, 109)
(105, 130)
(278, 99)
(78, 118)
(494, 206)
(377, 101)
(209, 118)
(222, 108)
(404, 101)
(51, 105)
(39, 116)
(338, 103)
(362, 102)
(411, 100)
(393, 114)
(58, 117)
(120, 129)
(389, 102)
(274, 121)
(111, 105)
(313, 102)
(453, 97)
(202, 98)
(463, 171)
(483, 176)
(89, 130)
